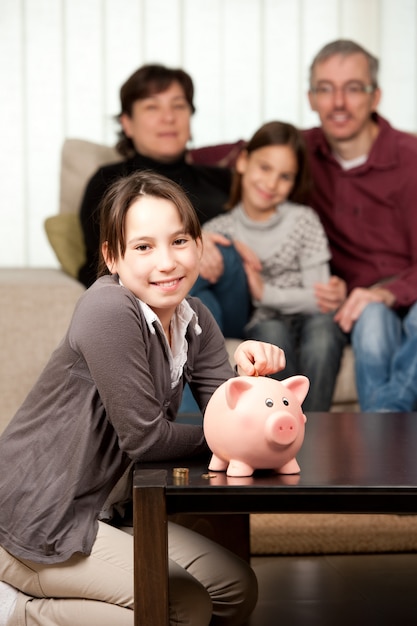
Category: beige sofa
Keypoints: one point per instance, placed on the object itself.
(37, 303)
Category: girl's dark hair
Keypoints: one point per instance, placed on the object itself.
(147, 81)
(119, 198)
(277, 134)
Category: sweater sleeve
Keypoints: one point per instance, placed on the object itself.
(223, 224)
(313, 262)
(296, 299)
(107, 332)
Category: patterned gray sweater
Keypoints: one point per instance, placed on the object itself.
(293, 250)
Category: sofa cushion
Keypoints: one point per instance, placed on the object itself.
(66, 238)
(36, 308)
(80, 159)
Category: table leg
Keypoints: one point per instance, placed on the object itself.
(150, 548)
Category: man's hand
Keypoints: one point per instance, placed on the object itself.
(211, 264)
(248, 256)
(255, 282)
(330, 296)
(257, 357)
(358, 299)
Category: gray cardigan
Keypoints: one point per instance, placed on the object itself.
(103, 401)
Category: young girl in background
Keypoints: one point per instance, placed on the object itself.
(108, 397)
(285, 252)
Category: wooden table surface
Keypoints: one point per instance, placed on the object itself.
(350, 462)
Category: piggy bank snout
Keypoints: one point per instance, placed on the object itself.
(282, 429)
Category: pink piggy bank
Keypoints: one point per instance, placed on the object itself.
(256, 423)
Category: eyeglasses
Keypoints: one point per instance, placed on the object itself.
(353, 89)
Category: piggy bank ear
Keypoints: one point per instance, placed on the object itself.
(299, 385)
(235, 387)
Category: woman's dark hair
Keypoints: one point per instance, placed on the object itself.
(277, 134)
(147, 81)
(119, 198)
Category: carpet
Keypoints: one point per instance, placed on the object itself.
(318, 533)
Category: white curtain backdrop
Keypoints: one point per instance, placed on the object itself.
(62, 63)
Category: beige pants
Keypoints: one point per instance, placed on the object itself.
(208, 585)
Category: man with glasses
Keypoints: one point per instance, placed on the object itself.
(365, 191)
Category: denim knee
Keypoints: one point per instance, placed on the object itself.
(410, 321)
(321, 335)
(377, 331)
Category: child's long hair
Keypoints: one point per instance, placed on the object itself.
(277, 134)
(119, 198)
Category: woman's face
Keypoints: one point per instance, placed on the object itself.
(161, 261)
(159, 126)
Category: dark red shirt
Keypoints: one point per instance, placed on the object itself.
(370, 212)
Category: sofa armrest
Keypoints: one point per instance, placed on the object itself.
(37, 305)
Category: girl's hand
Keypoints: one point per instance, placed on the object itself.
(330, 296)
(257, 357)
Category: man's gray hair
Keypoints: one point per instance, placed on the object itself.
(346, 47)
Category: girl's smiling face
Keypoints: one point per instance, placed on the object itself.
(161, 261)
(268, 177)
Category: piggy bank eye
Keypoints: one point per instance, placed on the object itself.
(269, 402)
(285, 402)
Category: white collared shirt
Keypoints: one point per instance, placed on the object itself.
(181, 319)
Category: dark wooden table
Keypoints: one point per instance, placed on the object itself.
(350, 462)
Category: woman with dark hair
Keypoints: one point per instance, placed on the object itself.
(156, 109)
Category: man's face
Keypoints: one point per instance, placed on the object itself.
(342, 95)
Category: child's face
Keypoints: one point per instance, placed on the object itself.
(161, 262)
(268, 176)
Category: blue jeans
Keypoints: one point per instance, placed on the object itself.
(313, 346)
(228, 299)
(385, 347)
(229, 302)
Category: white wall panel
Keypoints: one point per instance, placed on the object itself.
(44, 116)
(398, 54)
(283, 94)
(203, 59)
(84, 68)
(242, 67)
(12, 132)
(62, 63)
(320, 24)
(359, 20)
(123, 51)
(163, 31)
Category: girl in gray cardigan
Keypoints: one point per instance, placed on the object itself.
(107, 398)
